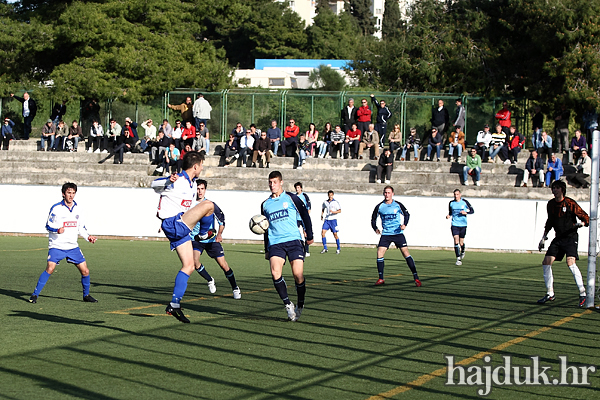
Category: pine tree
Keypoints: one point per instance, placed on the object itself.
(392, 24)
(360, 10)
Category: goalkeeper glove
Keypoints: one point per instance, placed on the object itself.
(542, 243)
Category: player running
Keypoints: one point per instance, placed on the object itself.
(283, 239)
(212, 246)
(65, 223)
(177, 194)
(458, 209)
(394, 218)
(562, 216)
(306, 200)
(329, 211)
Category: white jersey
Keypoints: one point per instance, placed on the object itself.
(175, 197)
(328, 208)
(61, 216)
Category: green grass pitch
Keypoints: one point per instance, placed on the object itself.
(353, 341)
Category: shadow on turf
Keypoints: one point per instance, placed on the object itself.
(65, 320)
(14, 293)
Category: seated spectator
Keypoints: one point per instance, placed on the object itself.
(325, 142)
(132, 128)
(473, 167)
(352, 142)
(386, 163)
(337, 142)
(483, 140)
(274, 136)
(158, 149)
(48, 133)
(167, 128)
(395, 139)
(312, 136)
(533, 168)
(177, 132)
(239, 131)
(456, 142)
(128, 145)
(97, 140)
(370, 141)
(554, 170)
(261, 149)
(544, 147)
(412, 142)
(514, 145)
(114, 134)
(246, 147)
(230, 152)
(290, 141)
(435, 140)
(203, 138)
(578, 143)
(171, 159)
(149, 130)
(497, 143)
(584, 170)
(7, 133)
(61, 136)
(303, 149)
(74, 136)
(188, 134)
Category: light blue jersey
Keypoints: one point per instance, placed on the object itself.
(392, 215)
(455, 208)
(283, 213)
(208, 223)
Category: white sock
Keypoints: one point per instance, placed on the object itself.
(549, 279)
(578, 279)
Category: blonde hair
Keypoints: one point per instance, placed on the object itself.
(396, 127)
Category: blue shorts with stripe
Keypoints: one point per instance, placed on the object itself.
(331, 225)
(294, 250)
(213, 249)
(460, 231)
(387, 240)
(176, 231)
(73, 256)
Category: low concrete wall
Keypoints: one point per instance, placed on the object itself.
(504, 224)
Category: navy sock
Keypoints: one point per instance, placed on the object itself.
(281, 288)
(41, 283)
(462, 248)
(231, 278)
(337, 241)
(204, 273)
(457, 250)
(181, 281)
(380, 265)
(306, 248)
(411, 265)
(324, 243)
(301, 291)
(85, 283)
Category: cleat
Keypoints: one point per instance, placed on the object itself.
(546, 299)
(458, 261)
(207, 236)
(323, 251)
(237, 293)
(211, 286)
(33, 299)
(290, 312)
(177, 313)
(299, 312)
(379, 282)
(89, 299)
(307, 255)
(417, 283)
(337, 251)
(462, 255)
(582, 300)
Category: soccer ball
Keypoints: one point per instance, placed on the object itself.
(259, 224)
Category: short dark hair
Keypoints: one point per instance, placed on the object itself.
(68, 185)
(192, 158)
(388, 187)
(252, 126)
(456, 190)
(275, 174)
(202, 182)
(561, 185)
(298, 184)
(331, 191)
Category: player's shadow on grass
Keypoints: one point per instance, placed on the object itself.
(64, 320)
(14, 293)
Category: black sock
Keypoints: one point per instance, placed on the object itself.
(203, 273)
(301, 291)
(462, 248)
(457, 250)
(411, 265)
(281, 288)
(231, 278)
(380, 265)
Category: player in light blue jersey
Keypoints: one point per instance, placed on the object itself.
(458, 209)
(212, 245)
(306, 200)
(283, 239)
(394, 218)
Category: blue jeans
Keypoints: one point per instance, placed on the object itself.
(476, 171)
(451, 148)
(323, 149)
(415, 149)
(44, 139)
(301, 157)
(275, 145)
(207, 144)
(438, 149)
(494, 151)
(537, 134)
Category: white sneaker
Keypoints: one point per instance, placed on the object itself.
(387, 181)
(378, 181)
(211, 285)
(477, 183)
(237, 293)
(299, 167)
(337, 251)
(291, 312)
(160, 169)
(466, 183)
(90, 150)
(104, 151)
(458, 262)
(97, 151)
(307, 255)
(299, 312)
(507, 162)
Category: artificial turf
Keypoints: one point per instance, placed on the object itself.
(353, 341)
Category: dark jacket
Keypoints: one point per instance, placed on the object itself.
(262, 144)
(383, 160)
(32, 105)
(349, 119)
(383, 113)
(437, 139)
(534, 164)
(58, 111)
(439, 117)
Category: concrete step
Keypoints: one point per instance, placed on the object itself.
(66, 157)
(91, 169)
(81, 179)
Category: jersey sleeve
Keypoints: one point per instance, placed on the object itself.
(82, 228)
(51, 224)
(582, 215)
(219, 215)
(308, 204)
(471, 210)
(266, 235)
(450, 207)
(159, 185)
(374, 217)
(303, 214)
(404, 212)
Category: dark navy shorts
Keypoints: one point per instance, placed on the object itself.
(213, 249)
(294, 250)
(73, 256)
(387, 240)
(176, 231)
(461, 231)
(563, 246)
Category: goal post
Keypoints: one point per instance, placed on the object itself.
(593, 244)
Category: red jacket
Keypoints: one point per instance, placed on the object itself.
(503, 117)
(353, 135)
(289, 132)
(364, 114)
(188, 133)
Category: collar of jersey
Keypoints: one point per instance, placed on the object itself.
(65, 204)
(186, 176)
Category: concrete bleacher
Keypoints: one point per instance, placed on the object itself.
(24, 165)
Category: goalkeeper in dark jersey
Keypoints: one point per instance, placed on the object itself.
(562, 216)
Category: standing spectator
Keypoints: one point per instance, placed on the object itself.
(561, 128)
(533, 168)
(337, 142)
(97, 140)
(440, 118)
(459, 119)
(28, 112)
(188, 135)
(352, 142)
(503, 117)
(370, 140)
(75, 135)
(554, 170)
(578, 143)
(473, 167)
(201, 111)
(274, 136)
(58, 111)
(412, 142)
(303, 146)
(7, 134)
(187, 114)
(349, 115)
(484, 139)
(435, 140)
(515, 144)
(364, 115)
(326, 142)
(290, 141)
(584, 170)
(114, 133)
(48, 133)
(172, 157)
(590, 121)
(261, 149)
(544, 147)
(386, 163)
(497, 143)
(537, 123)
(312, 136)
(203, 137)
(456, 141)
(230, 152)
(177, 132)
(395, 138)
(61, 136)
(246, 147)
(383, 116)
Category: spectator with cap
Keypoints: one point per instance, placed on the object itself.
(48, 132)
